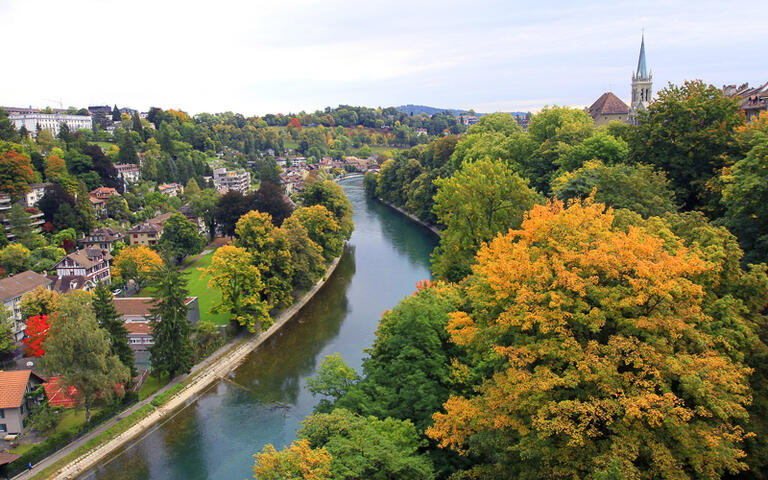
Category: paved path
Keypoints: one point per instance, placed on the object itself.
(226, 359)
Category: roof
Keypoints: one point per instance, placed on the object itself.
(642, 71)
(13, 384)
(67, 283)
(608, 104)
(6, 458)
(138, 328)
(138, 306)
(145, 228)
(21, 283)
(106, 234)
(87, 257)
(58, 395)
(103, 192)
(160, 219)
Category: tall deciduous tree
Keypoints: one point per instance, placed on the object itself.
(689, 132)
(35, 334)
(15, 174)
(306, 255)
(234, 273)
(298, 462)
(180, 238)
(40, 301)
(597, 353)
(79, 351)
(7, 340)
(322, 228)
(112, 323)
(479, 201)
(172, 352)
(135, 263)
(330, 195)
(269, 198)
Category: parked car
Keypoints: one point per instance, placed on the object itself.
(117, 292)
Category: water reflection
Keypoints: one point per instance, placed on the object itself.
(264, 400)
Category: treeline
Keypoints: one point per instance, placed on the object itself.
(594, 317)
(271, 258)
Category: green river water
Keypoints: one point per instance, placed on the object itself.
(263, 401)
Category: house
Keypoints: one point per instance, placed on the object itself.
(99, 199)
(128, 172)
(186, 210)
(36, 192)
(144, 234)
(36, 220)
(135, 312)
(15, 387)
(608, 108)
(239, 181)
(170, 189)
(12, 288)
(102, 238)
(752, 100)
(82, 270)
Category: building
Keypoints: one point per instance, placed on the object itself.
(36, 220)
(144, 234)
(753, 100)
(642, 83)
(12, 288)
(239, 181)
(82, 270)
(36, 193)
(135, 312)
(171, 189)
(99, 197)
(50, 121)
(128, 172)
(15, 402)
(608, 108)
(467, 120)
(102, 238)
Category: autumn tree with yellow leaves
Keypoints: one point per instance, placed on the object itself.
(599, 358)
(135, 263)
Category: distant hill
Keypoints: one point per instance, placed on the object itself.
(416, 109)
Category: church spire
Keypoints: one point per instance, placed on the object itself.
(642, 71)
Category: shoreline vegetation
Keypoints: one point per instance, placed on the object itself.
(166, 401)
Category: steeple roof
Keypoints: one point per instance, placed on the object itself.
(642, 71)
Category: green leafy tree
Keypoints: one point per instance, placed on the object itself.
(689, 132)
(117, 208)
(333, 380)
(20, 224)
(636, 187)
(112, 323)
(322, 229)
(14, 258)
(306, 255)
(365, 447)
(172, 352)
(7, 340)
(481, 200)
(8, 132)
(204, 206)
(192, 189)
(79, 351)
(180, 238)
(330, 195)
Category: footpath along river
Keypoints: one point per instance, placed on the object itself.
(265, 398)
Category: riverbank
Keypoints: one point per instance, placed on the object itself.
(90, 450)
(416, 219)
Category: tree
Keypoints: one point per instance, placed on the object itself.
(35, 334)
(746, 188)
(204, 206)
(117, 208)
(39, 301)
(322, 229)
(14, 258)
(333, 380)
(298, 461)
(135, 263)
(112, 323)
(56, 167)
(7, 340)
(20, 224)
(172, 352)
(180, 238)
(689, 132)
(270, 253)
(269, 198)
(15, 174)
(229, 208)
(234, 273)
(306, 255)
(330, 195)
(597, 355)
(636, 187)
(479, 201)
(192, 189)
(43, 259)
(79, 351)
(7, 130)
(365, 447)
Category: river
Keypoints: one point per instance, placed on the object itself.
(265, 398)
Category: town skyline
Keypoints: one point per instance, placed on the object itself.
(273, 58)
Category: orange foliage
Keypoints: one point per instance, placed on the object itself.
(605, 360)
(299, 461)
(15, 173)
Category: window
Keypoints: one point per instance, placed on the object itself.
(2, 413)
(3, 428)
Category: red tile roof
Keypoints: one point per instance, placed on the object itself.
(138, 328)
(58, 395)
(12, 387)
(608, 104)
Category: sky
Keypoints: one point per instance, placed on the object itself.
(264, 56)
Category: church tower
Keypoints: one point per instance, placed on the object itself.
(641, 84)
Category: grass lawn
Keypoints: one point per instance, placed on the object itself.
(22, 449)
(198, 287)
(72, 419)
(151, 385)
(105, 145)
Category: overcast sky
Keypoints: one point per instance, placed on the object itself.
(261, 56)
